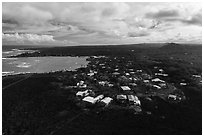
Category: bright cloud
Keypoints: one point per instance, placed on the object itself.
(27, 37)
(99, 23)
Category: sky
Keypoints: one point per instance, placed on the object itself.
(100, 23)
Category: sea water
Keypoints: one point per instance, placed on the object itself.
(38, 64)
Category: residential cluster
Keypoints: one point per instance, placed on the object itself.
(121, 82)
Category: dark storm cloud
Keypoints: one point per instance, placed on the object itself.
(138, 34)
(192, 20)
(195, 20)
(163, 14)
(174, 16)
(108, 12)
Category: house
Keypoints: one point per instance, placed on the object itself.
(134, 100)
(148, 98)
(95, 72)
(139, 70)
(137, 102)
(156, 86)
(116, 73)
(161, 74)
(82, 93)
(130, 78)
(197, 76)
(165, 75)
(131, 98)
(102, 83)
(90, 74)
(157, 80)
(136, 78)
(121, 97)
(170, 96)
(183, 84)
(83, 86)
(110, 85)
(99, 97)
(163, 85)
(101, 64)
(132, 72)
(146, 76)
(127, 74)
(125, 88)
(89, 99)
(106, 100)
(146, 81)
(80, 83)
(133, 84)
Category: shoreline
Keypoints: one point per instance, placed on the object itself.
(24, 73)
(13, 73)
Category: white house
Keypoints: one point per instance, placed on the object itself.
(131, 98)
(132, 72)
(82, 93)
(162, 85)
(134, 99)
(156, 86)
(121, 97)
(116, 73)
(139, 70)
(106, 100)
(133, 84)
(157, 80)
(99, 97)
(137, 102)
(127, 74)
(197, 76)
(89, 99)
(110, 85)
(160, 74)
(174, 97)
(90, 74)
(146, 81)
(80, 83)
(183, 84)
(125, 88)
(102, 83)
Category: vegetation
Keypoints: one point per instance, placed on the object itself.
(41, 105)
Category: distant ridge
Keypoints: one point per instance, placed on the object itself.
(173, 47)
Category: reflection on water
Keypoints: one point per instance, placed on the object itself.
(38, 64)
(41, 64)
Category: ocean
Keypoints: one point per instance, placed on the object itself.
(11, 66)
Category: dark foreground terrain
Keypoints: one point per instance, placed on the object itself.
(47, 103)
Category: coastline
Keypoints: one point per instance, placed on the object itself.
(27, 63)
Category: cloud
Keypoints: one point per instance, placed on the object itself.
(26, 15)
(34, 39)
(163, 14)
(194, 20)
(174, 16)
(78, 22)
(138, 34)
(27, 38)
(139, 22)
